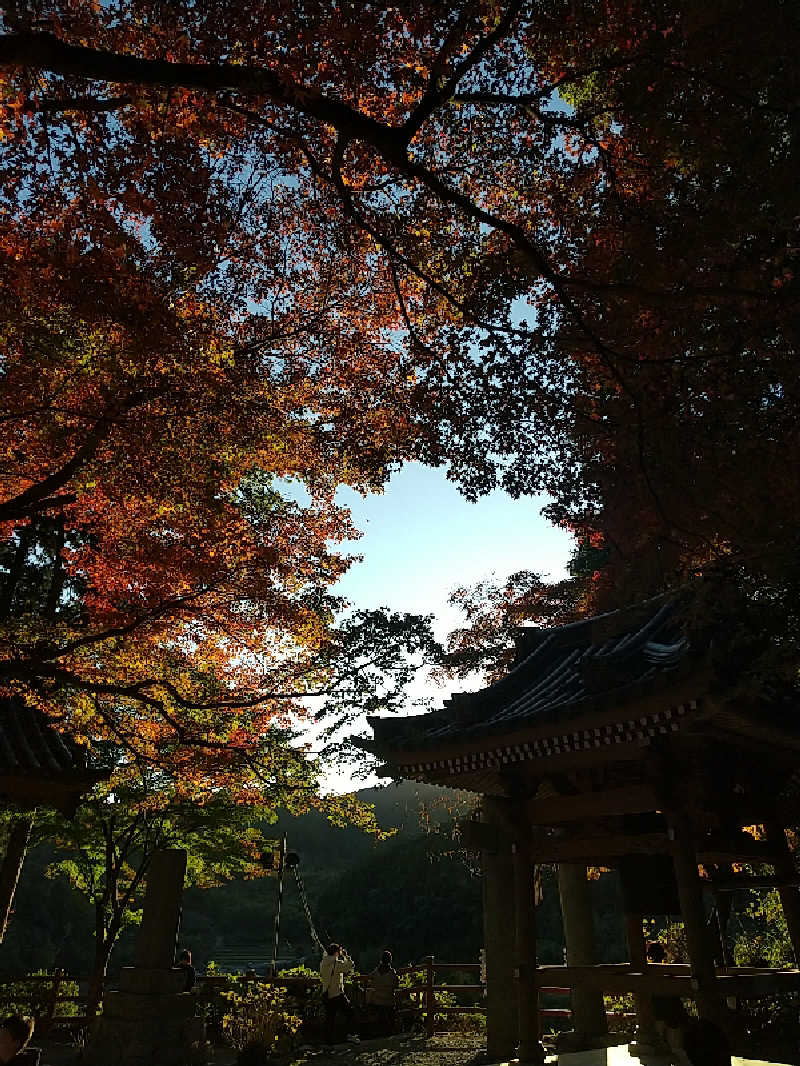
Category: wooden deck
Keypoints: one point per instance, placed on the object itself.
(620, 1056)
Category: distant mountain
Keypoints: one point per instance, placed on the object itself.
(414, 892)
(410, 808)
(406, 805)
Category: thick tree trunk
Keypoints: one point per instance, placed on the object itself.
(105, 939)
(12, 867)
(97, 982)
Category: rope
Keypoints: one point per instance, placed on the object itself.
(304, 899)
(276, 939)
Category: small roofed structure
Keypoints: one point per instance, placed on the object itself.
(613, 741)
(39, 767)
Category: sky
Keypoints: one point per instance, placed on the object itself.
(421, 539)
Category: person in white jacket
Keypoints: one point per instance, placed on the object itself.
(335, 966)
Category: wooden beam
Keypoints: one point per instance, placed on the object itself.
(596, 849)
(633, 799)
(710, 1003)
(623, 978)
(593, 850)
(499, 936)
(736, 852)
(482, 836)
(758, 984)
(779, 740)
(735, 884)
(589, 1020)
(703, 732)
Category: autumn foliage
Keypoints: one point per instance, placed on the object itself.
(553, 245)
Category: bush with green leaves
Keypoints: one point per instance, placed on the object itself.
(34, 998)
(258, 1019)
(617, 1006)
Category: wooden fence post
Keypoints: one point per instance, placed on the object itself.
(58, 974)
(430, 997)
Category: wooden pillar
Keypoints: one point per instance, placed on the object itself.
(588, 1009)
(530, 1048)
(789, 895)
(646, 1033)
(11, 868)
(430, 998)
(499, 937)
(698, 941)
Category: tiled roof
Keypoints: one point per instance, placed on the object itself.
(30, 745)
(591, 665)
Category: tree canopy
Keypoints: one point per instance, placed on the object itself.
(552, 244)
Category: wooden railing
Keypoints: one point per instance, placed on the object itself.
(421, 999)
(41, 995)
(427, 1006)
(44, 994)
(670, 979)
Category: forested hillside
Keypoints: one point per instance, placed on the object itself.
(412, 891)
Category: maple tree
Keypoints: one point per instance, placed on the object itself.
(154, 421)
(550, 243)
(215, 709)
(688, 417)
(496, 612)
(160, 586)
(106, 848)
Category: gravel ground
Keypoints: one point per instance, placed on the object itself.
(447, 1049)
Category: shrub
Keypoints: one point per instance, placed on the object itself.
(21, 996)
(258, 1020)
(620, 1005)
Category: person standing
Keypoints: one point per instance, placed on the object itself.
(335, 966)
(383, 982)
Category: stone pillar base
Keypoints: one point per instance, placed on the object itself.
(644, 1049)
(148, 1022)
(572, 1041)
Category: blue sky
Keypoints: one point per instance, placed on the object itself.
(422, 539)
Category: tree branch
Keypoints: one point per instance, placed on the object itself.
(39, 497)
(45, 51)
(434, 96)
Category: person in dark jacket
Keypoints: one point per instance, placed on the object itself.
(383, 982)
(185, 964)
(15, 1033)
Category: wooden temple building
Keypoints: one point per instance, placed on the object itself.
(39, 767)
(613, 742)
